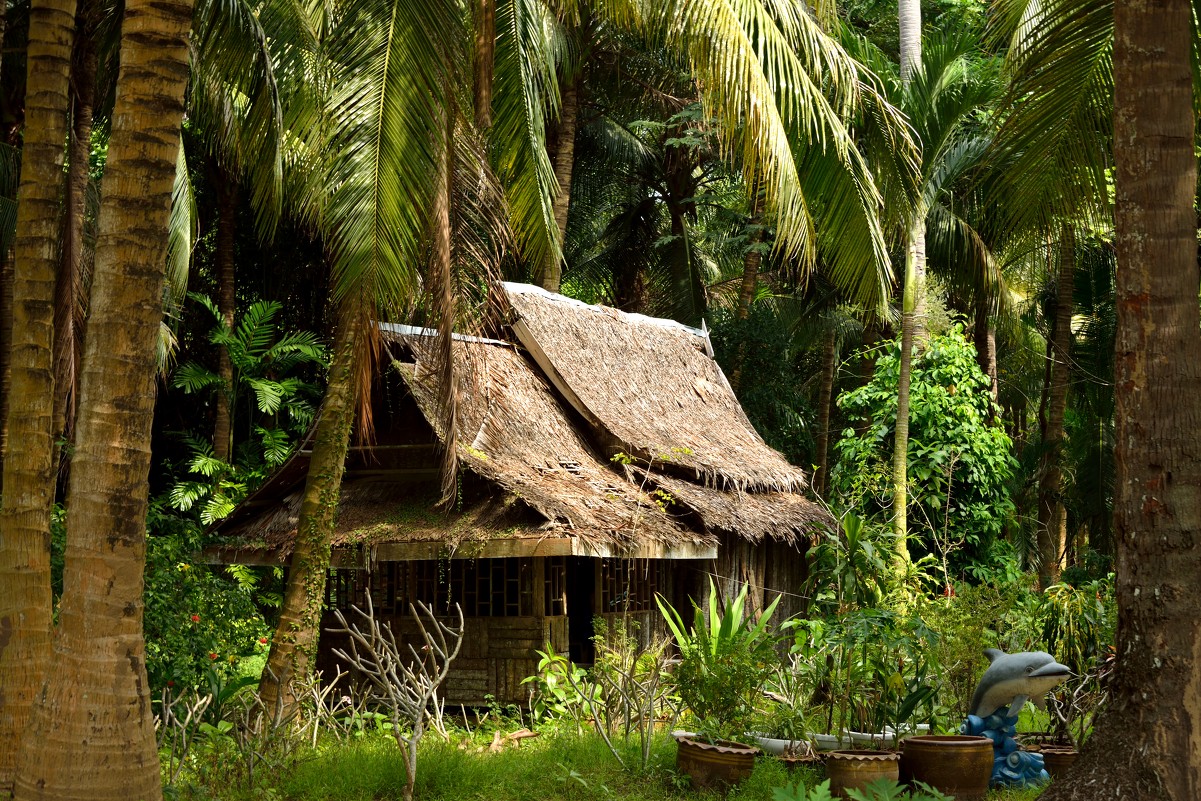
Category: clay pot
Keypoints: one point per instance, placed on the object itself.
(954, 764)
(855, 770)
(717, 765)
(1057, 758)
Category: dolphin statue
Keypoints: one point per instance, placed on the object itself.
(1013, 678)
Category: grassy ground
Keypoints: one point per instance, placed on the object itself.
(562, 768)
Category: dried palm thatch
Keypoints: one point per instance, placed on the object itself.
(650, 388)
(372, 511)
(516, 434)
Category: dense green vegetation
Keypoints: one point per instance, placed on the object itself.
(906, 252)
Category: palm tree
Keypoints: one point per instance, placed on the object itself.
(92, 733)
(909, 16)
(367, 87)
(28, 464)
(1158, 402)
(1056, 148)
(941, 97)
(778, 90)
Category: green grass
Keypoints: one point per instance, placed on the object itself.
(562, 767)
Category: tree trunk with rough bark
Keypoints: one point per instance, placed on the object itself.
(985, 338)
(296, 636)
(552, 270)
(1052, 516)
(825, 399)
(485, 61)
(1146, 742)
(25, 599)
(227, 227)
(71, 293)
(92, 732)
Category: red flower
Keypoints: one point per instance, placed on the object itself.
(195, 618)
(263, 640)
(212, 656)
(949, 591)
(170, 682)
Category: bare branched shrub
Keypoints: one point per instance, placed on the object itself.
(625, 691)
(404, 681)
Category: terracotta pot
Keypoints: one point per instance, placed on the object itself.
(855, 770)
(720, 764)
(1057, 758)
(955, 764)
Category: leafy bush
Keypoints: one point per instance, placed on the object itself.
(196, 620)
(724, 661)
(959, 458)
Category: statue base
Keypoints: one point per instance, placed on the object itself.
(1011, 767)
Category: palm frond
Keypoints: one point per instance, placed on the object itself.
(526, 94)
(1057, 116)
(235, 97)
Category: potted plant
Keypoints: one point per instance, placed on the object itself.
(725, 658)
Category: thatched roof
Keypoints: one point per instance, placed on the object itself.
(514, 432)
(537, 432)
(651, 388)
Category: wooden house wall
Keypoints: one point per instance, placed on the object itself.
(496, 654)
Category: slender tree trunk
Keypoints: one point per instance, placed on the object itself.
(915, 268)
(296, 636)
(751, 262)
(6, 328)
(1052, 517)
(25, 621)
(485, 61)
(825, 399)
(227, 226)
(71, 296)
(909, 16)
(444, 302)
(92, 732)
(1146, 743)
(985, 339)
(552, 271)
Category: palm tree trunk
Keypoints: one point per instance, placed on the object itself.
(909, 17)
(71, 296)
(25, 621)
(985, 339)
(915, 269)
(485, 62)
(227, 225)
(296, 636)
(1052, 518)
(825, 399)
(1144, 742)
(92, 732)
(552, 271)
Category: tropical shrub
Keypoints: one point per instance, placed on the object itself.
(196, 621)
(960, 459)
(724, 661)
(266, 367)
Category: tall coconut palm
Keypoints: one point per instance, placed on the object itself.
(778, 90)
(1142, 743)
(367, 87)
(92, 734)
(28, 479)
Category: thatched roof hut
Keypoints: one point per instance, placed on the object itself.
(591, 442)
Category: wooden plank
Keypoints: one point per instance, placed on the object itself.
(491, 549)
